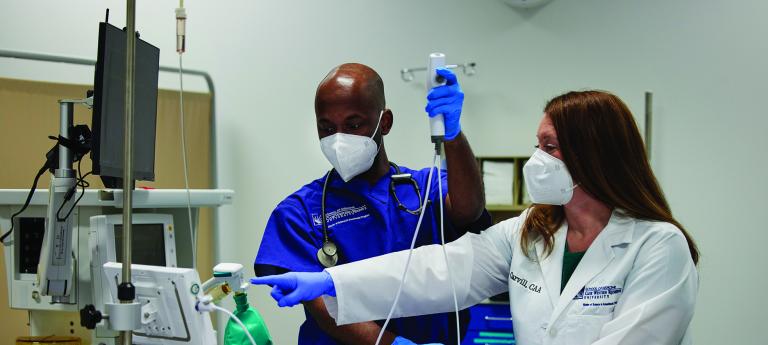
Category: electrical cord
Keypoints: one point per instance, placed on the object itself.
(81, 182)
(410, 252)
(245, 329)
(81, 146)
(445, 252)
(26, 203)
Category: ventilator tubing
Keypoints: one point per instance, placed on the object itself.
(445, 252)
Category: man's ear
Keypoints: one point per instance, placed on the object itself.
(386, 121)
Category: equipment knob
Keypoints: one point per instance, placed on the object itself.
(90, 317)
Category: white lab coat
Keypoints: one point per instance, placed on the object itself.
(636, 284)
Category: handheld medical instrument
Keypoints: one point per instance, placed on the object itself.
(436, 123)
(229, 275)
(437, 135)
(328, 254)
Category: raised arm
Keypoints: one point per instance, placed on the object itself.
(466, 199)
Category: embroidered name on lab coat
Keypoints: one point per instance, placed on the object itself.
(524, 283)
(342, 215)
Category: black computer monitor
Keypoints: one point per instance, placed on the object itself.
(109, 107)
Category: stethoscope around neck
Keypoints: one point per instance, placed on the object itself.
(328, 254)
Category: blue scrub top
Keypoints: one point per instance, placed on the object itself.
(363, 221)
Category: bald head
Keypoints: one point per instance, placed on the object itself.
(349, 100)
(354, 84)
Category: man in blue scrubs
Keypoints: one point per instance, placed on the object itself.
(363, 216)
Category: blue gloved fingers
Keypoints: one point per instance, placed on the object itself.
(286, 281)
(276, 293)
(450, 77)
(294, 298)
(402, 341)
(449, 109)
(438, 102)
(443, 91)
(292, 288)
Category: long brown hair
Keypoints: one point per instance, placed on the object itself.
(603, 151)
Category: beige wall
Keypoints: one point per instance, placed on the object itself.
(29, 114)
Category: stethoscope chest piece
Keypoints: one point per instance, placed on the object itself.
(329, 248)
(326, 260)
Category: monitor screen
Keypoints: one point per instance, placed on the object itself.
(148, 244)
(109, 106)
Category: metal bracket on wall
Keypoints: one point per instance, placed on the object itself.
(467, 68)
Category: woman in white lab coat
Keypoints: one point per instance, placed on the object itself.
(597, 259)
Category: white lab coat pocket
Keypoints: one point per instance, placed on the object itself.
(594, 308)
(585, 329)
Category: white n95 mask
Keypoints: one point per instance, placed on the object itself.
(350, 154)
(547, 179)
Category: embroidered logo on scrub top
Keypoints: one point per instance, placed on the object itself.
(342, 215)
(599, 295)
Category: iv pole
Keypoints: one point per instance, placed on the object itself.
(126, 290)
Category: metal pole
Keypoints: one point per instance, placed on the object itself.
(648, 122)
(130, 51)
(66, 111)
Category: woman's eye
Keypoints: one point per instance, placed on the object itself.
(546, 147)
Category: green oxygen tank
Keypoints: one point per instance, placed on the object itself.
(235, 335)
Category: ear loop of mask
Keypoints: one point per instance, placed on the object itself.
(566, 190)
(378, 145)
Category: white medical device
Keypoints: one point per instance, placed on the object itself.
(436, 123)
(56, 265)
(231, 274)
(153, 238)
(167, 296)
(56, 257)
(153, 244)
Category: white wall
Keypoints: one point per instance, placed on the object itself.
(705, 60)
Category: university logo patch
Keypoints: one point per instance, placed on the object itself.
(342, 215)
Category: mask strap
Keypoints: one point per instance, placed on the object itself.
(377, 124)
(378, 145)
(572, 188)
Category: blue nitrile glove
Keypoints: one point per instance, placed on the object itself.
(447, 100)
(403, 341)
(292, 288)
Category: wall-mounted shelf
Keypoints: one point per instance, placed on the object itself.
(505, 193)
